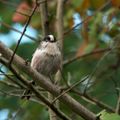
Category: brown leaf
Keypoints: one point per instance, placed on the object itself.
(82, 8)
(22, 8)
(71, 22)
(116, 3)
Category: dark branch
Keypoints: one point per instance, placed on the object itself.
(66, 62)
(34, 90)
(87, 18)
(44, 83)
(28, 21)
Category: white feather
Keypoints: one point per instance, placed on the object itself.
(48, 48)
(51, 37)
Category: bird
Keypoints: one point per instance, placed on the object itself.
(46, 59)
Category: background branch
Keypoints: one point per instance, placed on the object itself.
(27, 23)
(34, 90)
(44, 18)
(43, 82)
(73, 59)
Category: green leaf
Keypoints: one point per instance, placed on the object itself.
(108, 116)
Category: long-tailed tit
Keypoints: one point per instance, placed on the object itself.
(46, 59)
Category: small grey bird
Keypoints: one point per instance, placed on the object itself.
(46, 59)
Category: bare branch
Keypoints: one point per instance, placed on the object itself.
(27, 23)
(68, 89)
(66, 62)
(87, 18)
(35, 91)
(8, 84)
(44, 18)
(44, 82)
(12, 80)
(93, 100)
(8, 26)
(118, 95)
(118, 105)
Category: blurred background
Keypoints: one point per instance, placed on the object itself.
(87, 52)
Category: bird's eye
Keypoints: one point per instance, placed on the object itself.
(48, 38)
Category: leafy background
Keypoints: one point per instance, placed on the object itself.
(97, 31)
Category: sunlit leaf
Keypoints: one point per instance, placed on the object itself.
(109, 116)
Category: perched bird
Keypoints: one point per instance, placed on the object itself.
(46, 59)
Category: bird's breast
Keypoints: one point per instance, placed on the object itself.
(47, 59)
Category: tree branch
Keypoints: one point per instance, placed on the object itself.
(27, 23)
(59, 22)
(12, 80)
(8, 26)
(34, 90)
(44, 18)
(73, 59)
(93, 100)
(44, 83)
(87, 18)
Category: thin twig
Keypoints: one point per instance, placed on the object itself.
(8, 84)
(28, 21)
(113, 48)
(19, 95)
(115, 85)
(118, 94)
(8, 26)
(2, 74)
(70, 88)
(21, 13)
(118, 105)
(66, 62)
(44, 82)
(35, 91)
(88, 18)
(93, 100)
(90, 76)
(12, 80)
(59, 31)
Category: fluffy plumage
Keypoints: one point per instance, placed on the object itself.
(47, 58)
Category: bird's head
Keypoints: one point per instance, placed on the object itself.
(49, 38)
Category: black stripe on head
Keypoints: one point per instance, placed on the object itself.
(49, 38)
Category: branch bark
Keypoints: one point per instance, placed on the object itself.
(45, 29)
(44, 18)
(59, 22)
(34, 90)
(44, 83)
(59, 29)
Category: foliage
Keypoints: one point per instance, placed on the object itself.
(107, 116)
(95, 33)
